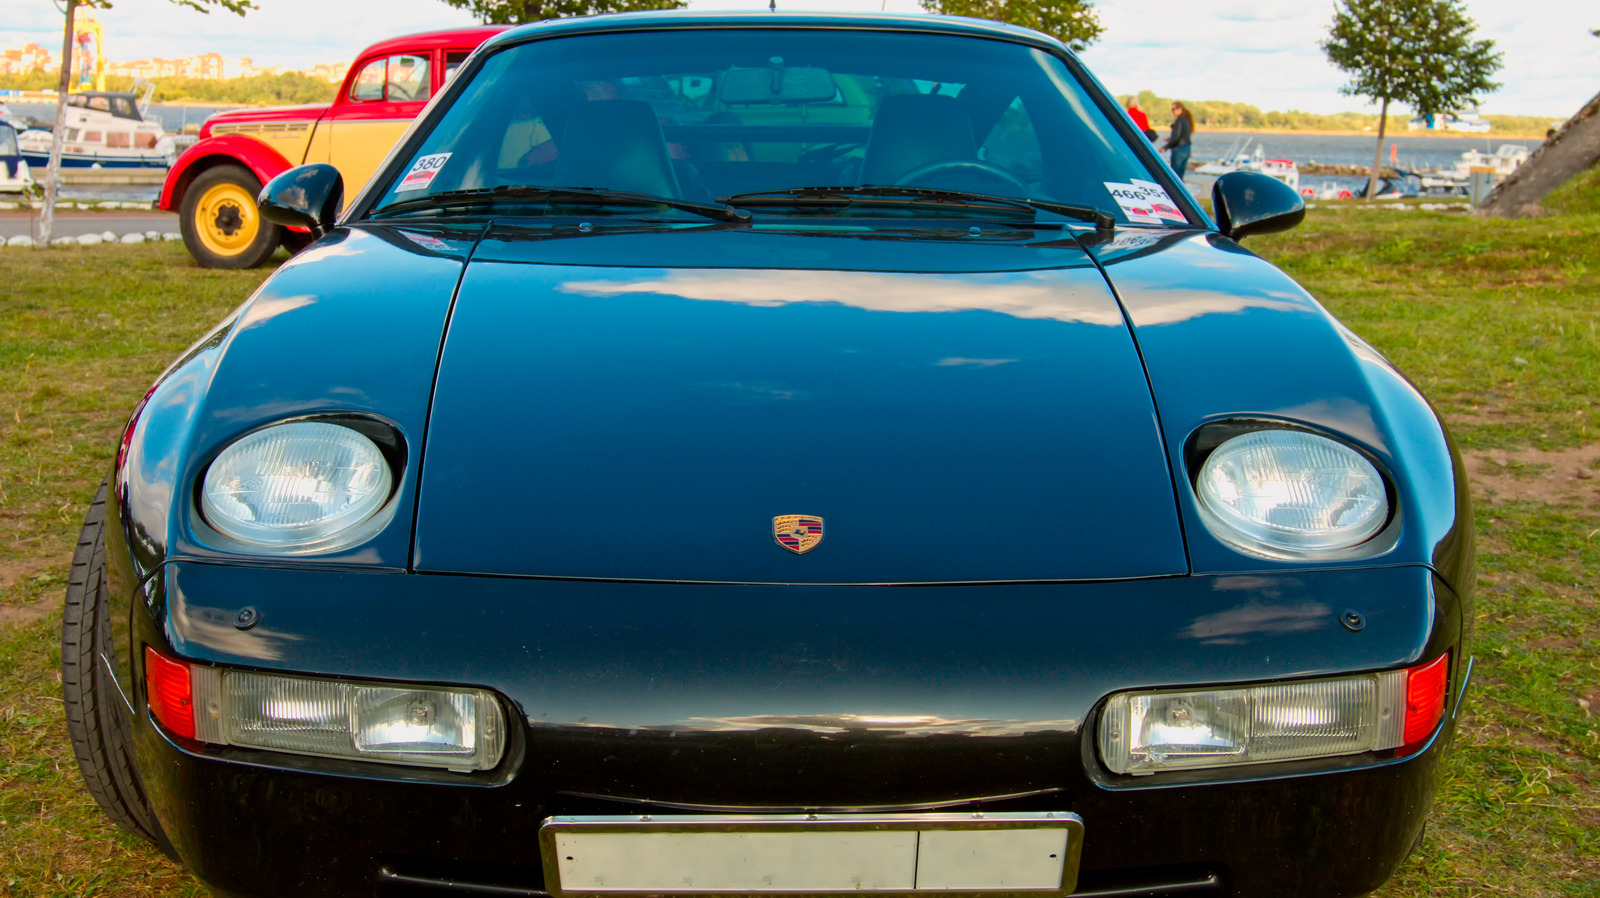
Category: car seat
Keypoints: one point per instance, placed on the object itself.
(617, 145)
(913, 130)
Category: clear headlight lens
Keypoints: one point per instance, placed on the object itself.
(1286, 492)
(1154, 731)
(295, 484)
(416, 725)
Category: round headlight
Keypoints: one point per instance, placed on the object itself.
(1285, 492)
(295, 484)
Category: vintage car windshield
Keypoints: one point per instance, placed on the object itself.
(699, 115)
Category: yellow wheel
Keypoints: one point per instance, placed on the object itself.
(221, 226)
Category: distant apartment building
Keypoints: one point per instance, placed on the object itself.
(26, 59)
(204, 65)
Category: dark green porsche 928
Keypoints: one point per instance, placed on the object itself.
(774, 454)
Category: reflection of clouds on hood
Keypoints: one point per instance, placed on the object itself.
(1256, 619)
(1048, 295)
(267, 308)
(1171, 305)
(214, 628)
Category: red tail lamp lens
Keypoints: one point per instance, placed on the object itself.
(170, 695)
(1425, 687)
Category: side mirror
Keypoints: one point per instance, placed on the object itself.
(1247, 202)
(308, 196)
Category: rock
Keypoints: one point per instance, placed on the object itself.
(1519, 361)
(20, 240)
(143, 207)
(108, 204)
(152, 235)
(64, 241)
(82, 207)
(10, 206)
(171, 237)
(91, 240)
(132, 238)
(108, 236)
(1583, 473)
(1504, 463)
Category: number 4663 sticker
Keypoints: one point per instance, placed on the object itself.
(422, 172)
(1144, 201)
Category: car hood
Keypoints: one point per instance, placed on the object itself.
(302, 112)
(974, 415)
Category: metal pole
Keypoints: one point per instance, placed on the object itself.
(52, 174)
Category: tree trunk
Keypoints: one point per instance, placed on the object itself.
(1377, 155)
(52, 172)
(1571, 150)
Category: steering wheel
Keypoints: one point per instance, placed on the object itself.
(959, 174)
(396, 92)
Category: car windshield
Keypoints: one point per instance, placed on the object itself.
(716, 113)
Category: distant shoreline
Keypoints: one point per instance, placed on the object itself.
(1482, 135)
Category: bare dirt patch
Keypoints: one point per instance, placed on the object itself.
(15, 571)
(1551, 476)
(17, 615)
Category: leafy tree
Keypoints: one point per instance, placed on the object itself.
(1418, 52)
(516, 12)
(1073, 22)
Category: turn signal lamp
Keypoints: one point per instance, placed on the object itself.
(171, 695)
(423, 726)
(1152, 732)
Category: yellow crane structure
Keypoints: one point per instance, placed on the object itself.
(87, 28)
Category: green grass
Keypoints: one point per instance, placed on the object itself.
(1456, 302)
(83, 333)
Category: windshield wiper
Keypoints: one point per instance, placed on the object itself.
(599, 196)
(1102, 220)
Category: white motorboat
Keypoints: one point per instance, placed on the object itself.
(1241, 158)
(1330, 190)
(1457, 180)
(14, 174)
(104, 129)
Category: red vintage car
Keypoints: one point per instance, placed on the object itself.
(213, 186)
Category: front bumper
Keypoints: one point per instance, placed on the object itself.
(693, 699)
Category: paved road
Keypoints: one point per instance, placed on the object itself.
(71, 224)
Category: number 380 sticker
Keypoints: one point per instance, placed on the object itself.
(421, 174)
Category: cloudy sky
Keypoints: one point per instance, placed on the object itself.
(1262, 52)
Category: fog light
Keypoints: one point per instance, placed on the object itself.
(416, 725)
(1149, 732)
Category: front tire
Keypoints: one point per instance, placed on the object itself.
(220, 222)
(97, 718)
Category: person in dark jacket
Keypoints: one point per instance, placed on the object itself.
(1178, 140)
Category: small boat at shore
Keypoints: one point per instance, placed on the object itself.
(1240, 158)
(1330, 190)
(14, 174)
(104, 129)
(1457, 180)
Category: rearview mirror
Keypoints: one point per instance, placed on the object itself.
(308, 196)
(778, 84)
(1247, 202)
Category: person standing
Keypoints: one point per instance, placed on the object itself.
(1140, 120)
(1178, 140)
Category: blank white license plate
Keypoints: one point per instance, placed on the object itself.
(1032, 854)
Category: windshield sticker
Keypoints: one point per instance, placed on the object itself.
(1160, 202)
(1143, 201)
(421, 174)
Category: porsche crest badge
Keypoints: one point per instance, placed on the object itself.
(799, 533)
